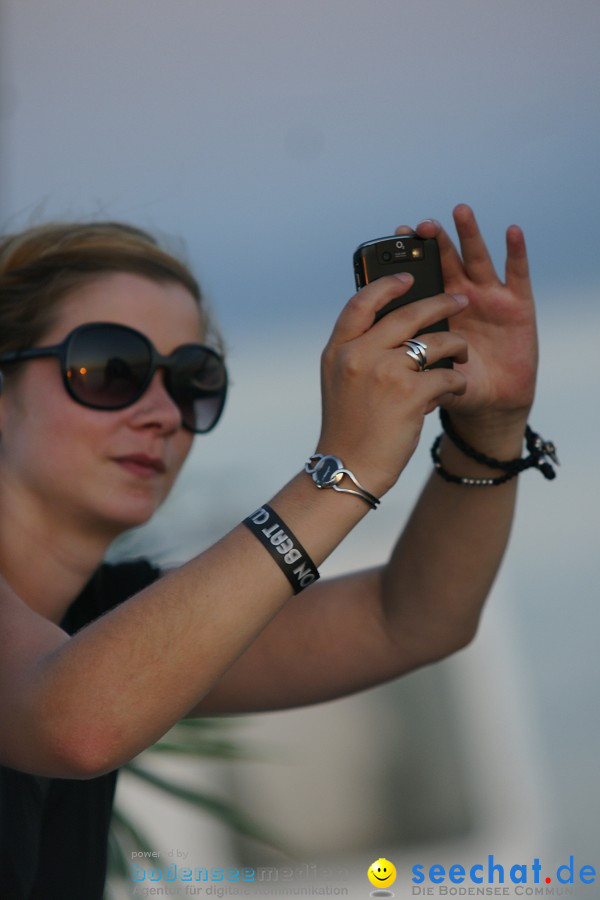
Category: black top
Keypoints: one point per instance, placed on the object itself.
(53, 831)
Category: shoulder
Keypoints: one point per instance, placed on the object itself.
(111, 584)
(122, 580)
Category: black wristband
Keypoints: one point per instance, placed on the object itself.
(540, 451)
(284, 547)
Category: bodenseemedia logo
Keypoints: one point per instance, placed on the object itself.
(525, 879)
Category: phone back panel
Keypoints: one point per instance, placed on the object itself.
(403, 253)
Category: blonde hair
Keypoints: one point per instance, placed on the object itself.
(40, 266)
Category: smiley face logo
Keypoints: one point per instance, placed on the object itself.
(382, 873)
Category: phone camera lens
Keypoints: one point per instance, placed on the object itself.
(386, 256)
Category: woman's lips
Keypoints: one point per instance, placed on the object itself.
(140, 464)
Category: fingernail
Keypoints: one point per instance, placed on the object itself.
(403, 276)
(461, 299)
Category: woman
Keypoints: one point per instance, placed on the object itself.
(94, 427)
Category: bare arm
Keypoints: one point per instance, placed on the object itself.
(221, 633)
(426, 603)
(83, 705)
(356, 631)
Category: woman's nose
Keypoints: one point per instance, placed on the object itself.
(156, 408)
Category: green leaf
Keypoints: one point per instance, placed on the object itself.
(202, 738)
(221, 809)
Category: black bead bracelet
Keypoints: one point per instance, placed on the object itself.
(540, 452)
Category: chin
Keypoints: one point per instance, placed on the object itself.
(134, 516)
(122, 508)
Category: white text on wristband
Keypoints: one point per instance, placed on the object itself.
(284, 547)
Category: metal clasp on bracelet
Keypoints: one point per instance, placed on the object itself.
(548, 449)
(328, 470)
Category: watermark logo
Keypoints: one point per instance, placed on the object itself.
(381, 874)
(183, 879)
(524, 879)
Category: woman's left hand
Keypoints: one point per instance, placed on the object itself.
(498, 324)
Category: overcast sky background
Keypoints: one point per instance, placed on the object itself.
(267, 139)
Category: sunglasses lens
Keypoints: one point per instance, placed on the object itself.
(107, 366)
(197, 381)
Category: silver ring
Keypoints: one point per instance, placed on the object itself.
(417, 350)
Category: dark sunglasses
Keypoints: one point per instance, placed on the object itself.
(109, 366)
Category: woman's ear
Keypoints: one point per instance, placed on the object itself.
(1, 383)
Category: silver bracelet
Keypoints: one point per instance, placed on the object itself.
(327, 471)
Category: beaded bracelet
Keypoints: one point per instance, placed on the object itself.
(539, 453)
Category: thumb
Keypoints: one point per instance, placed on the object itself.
(359, 313)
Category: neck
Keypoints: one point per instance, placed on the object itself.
(46, 559)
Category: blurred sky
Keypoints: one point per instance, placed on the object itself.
(265, 140)
(273, 136)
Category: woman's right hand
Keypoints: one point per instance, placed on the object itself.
(374, 399)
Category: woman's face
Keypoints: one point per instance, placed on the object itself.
(108, 470)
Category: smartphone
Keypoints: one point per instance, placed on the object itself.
(404, 253)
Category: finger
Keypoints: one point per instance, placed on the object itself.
(445, 400)
(441, 345)
(405, 322)
(477, 262)
(439, 385)
(452, 264)
(358, 315)
(517, 265)
(442, 401)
